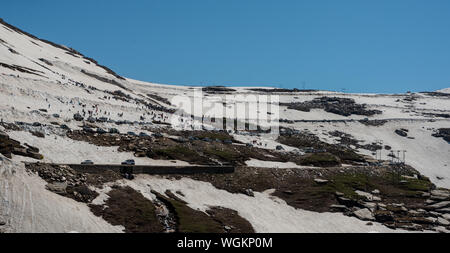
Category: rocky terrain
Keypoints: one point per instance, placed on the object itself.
(10, 146)
(339, 162)
(336, 105)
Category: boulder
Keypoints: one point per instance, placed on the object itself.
(414, 212)
(249, 192)
(429, 220)
(339, 208)
(441, 229)
(429, 201)
(434, 214)
(364, 195)
(442, 221)
(376, 191)
(57, 187)
(364, 214)
(381, 205)
(370, 205)
(320, 181)
(440, 205)
(376, 198)
(339, 194)
(443, 210)
(438, 198)
(440, 193)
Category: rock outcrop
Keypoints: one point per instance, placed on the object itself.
(336, 105)
(9, 146)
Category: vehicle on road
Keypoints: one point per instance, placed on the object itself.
(129, 162)
(87, 162)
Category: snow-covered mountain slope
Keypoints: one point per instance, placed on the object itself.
(446, 90)
(44, 85)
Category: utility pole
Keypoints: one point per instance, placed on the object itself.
(404, 157)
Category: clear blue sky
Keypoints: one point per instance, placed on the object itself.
(371, 46)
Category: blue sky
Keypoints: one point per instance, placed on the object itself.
(362, 46)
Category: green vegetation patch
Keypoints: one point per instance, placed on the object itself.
(174, 152)
(228, 155)
(408, 187)
(348, 183)
(320, 159)
(215, 135)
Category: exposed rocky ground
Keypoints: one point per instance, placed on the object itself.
(217, 90)
(348, 140)
(336, 105)
(9, 146)
(272, 90)
(398, 198)
(319, 151)
(201, 147)
(444, 133)
(375, 122)
(128, 208)
(67, 182)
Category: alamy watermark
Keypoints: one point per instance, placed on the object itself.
(228, 112)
